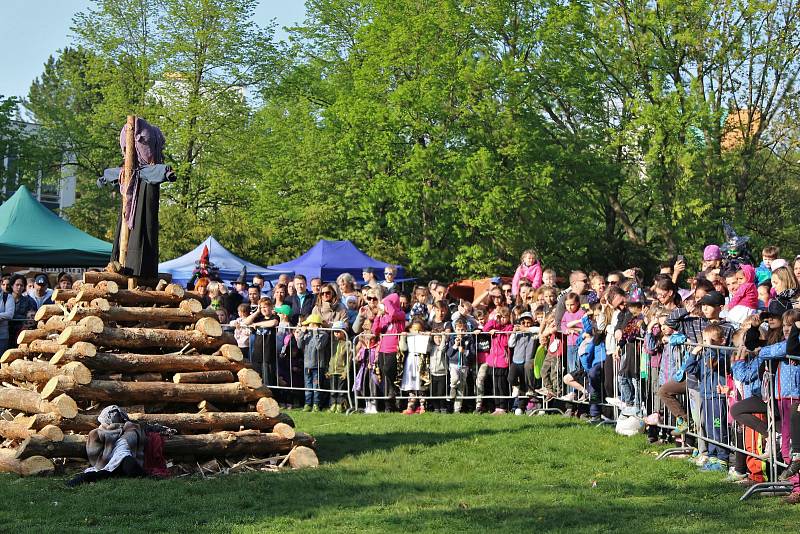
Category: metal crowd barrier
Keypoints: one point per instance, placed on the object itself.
(736, 433)
(279, 358)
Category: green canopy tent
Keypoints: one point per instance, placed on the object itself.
(31, 234)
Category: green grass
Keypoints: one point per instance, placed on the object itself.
(429, 473)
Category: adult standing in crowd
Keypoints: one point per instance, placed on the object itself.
(369, 311)
(303, 301)
(6, 315)
(368, 275)
(388, 284)
(283, 279)
(329, 307)
(23, 305)
(347, 286)
(316, 285)
(578, 282)
(41, 291)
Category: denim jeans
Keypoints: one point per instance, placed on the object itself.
(627, 393)
(312, 383)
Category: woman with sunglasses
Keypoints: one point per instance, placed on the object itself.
(329, 306)
(369, 310)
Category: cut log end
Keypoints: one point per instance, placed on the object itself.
(232, 352)
(283, 430)
(35, 465)
(209, 326)
(175, 290)
(65, 406)
(52, 432)
(249, 378)
(302, 457)
(78, 372)
(191, 305)
(92, 324)
(268, 406)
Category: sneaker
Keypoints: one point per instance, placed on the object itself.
(478, 410)
(681, 427)
(569, 397)
(701, 460)
(791, 471)
(315, 409)
(584, 417)
(518, 411)
(595, 420)
(735, 476)
(499, 411)
(714, 465)
(542, 391)
(420, 410)
(371, 409)
(614, 401)
(568, 412)
(307, 408)
(630, 411)
(584, 397)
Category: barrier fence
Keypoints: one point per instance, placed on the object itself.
(452, 372)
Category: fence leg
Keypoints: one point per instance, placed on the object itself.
(770, 488)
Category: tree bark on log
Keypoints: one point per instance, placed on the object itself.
(171, 296)
(64, 295)
(47, 346)
(99, 291)
(49, 310)
(183, 314)
(160, 392)
(144, 338)
(150, 363)
(30, 402)
(217, 444)
(194, 422)
(40, 372)
(11, 355)
(15, 430)
(27, 336)
(204, 377)
(34, 465)
(79, 423)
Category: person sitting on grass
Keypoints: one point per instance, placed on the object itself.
(314, 343)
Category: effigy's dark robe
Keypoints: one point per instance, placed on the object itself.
(142, 258)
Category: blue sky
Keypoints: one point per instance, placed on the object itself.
(32, 30)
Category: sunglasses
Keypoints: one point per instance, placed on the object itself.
(372, 298)
(507, 290)
(324, 293)
(497, 296)
(612, 282)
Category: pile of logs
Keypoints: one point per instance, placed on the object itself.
(156, 353)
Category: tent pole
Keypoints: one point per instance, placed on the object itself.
(130, 154)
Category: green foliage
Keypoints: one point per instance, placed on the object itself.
(445, 135)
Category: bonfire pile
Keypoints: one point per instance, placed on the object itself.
(155, 352)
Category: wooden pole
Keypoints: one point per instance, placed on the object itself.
(127, 175)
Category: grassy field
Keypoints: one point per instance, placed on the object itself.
(429, 473)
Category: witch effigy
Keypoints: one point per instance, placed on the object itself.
(136, 237)
(204, 271)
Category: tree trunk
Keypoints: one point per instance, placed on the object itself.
(144, 338)
(150, 363)
(204, 377)
(183, 314)
(171, 296)
(28, 401)
(158, 392)
(214, 421)
(34, 465)
(40, 372)
(217, 444)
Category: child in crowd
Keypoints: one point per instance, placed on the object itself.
(483, 344)
(460, 350)
(241, 331)
(420, 307)
(497, 360)
(415, 365)
(571, 326)
(438, 371)
(548, 297)
(314, 343)
(523, 342)
(529, 268)
(465, 310)
(440, 317)
(549, 337)
(549, 278)
(710, 363)
(368, 377)
(351, 303)
(338, 367)
(768, 255)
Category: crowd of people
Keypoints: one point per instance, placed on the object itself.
(688, 349)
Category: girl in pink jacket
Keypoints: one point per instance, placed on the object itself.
(529, 267)
(500, 328)
(388, 325)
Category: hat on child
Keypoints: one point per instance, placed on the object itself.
(41, 280)
(780, 262)
(712, 298)
(283, 309)
(314, 318)
(339, 325)
(711, 253)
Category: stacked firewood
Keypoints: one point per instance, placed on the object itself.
(155, 352)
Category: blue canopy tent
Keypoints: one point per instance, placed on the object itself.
(329, 259)
(229, 264)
